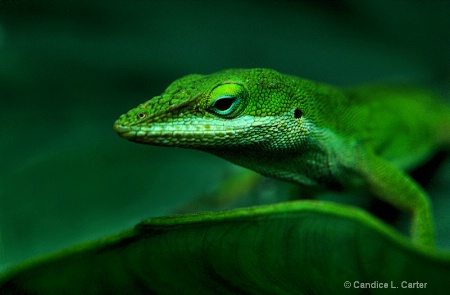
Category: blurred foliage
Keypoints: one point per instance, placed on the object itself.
(68, 69)
(286, 248)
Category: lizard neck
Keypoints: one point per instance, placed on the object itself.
(309, 164)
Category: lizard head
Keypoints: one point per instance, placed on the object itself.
(233, 108)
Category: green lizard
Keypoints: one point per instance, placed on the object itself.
(319, 136)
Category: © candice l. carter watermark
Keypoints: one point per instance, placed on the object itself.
(385, 285)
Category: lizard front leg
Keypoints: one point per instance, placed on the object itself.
(392, 185)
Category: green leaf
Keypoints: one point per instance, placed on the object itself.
(305, 247)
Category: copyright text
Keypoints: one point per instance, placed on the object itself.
(385, 285)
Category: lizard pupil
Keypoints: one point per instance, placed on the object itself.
(224, 103)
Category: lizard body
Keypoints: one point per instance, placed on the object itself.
(313, 134)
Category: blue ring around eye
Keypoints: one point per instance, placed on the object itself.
(233, 104)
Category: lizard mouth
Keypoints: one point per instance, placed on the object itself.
(194, 133)
(127, 132)
(173, 136)
(157, 135)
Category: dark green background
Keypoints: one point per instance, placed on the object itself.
(69, 69)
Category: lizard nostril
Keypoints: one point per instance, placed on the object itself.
(141, 116)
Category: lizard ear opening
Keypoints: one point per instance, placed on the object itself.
(298, 113)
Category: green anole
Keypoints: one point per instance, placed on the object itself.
(319, 136)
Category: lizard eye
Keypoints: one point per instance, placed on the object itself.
(228, 100)
(225, 105)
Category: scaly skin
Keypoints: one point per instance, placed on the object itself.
(316, 135)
